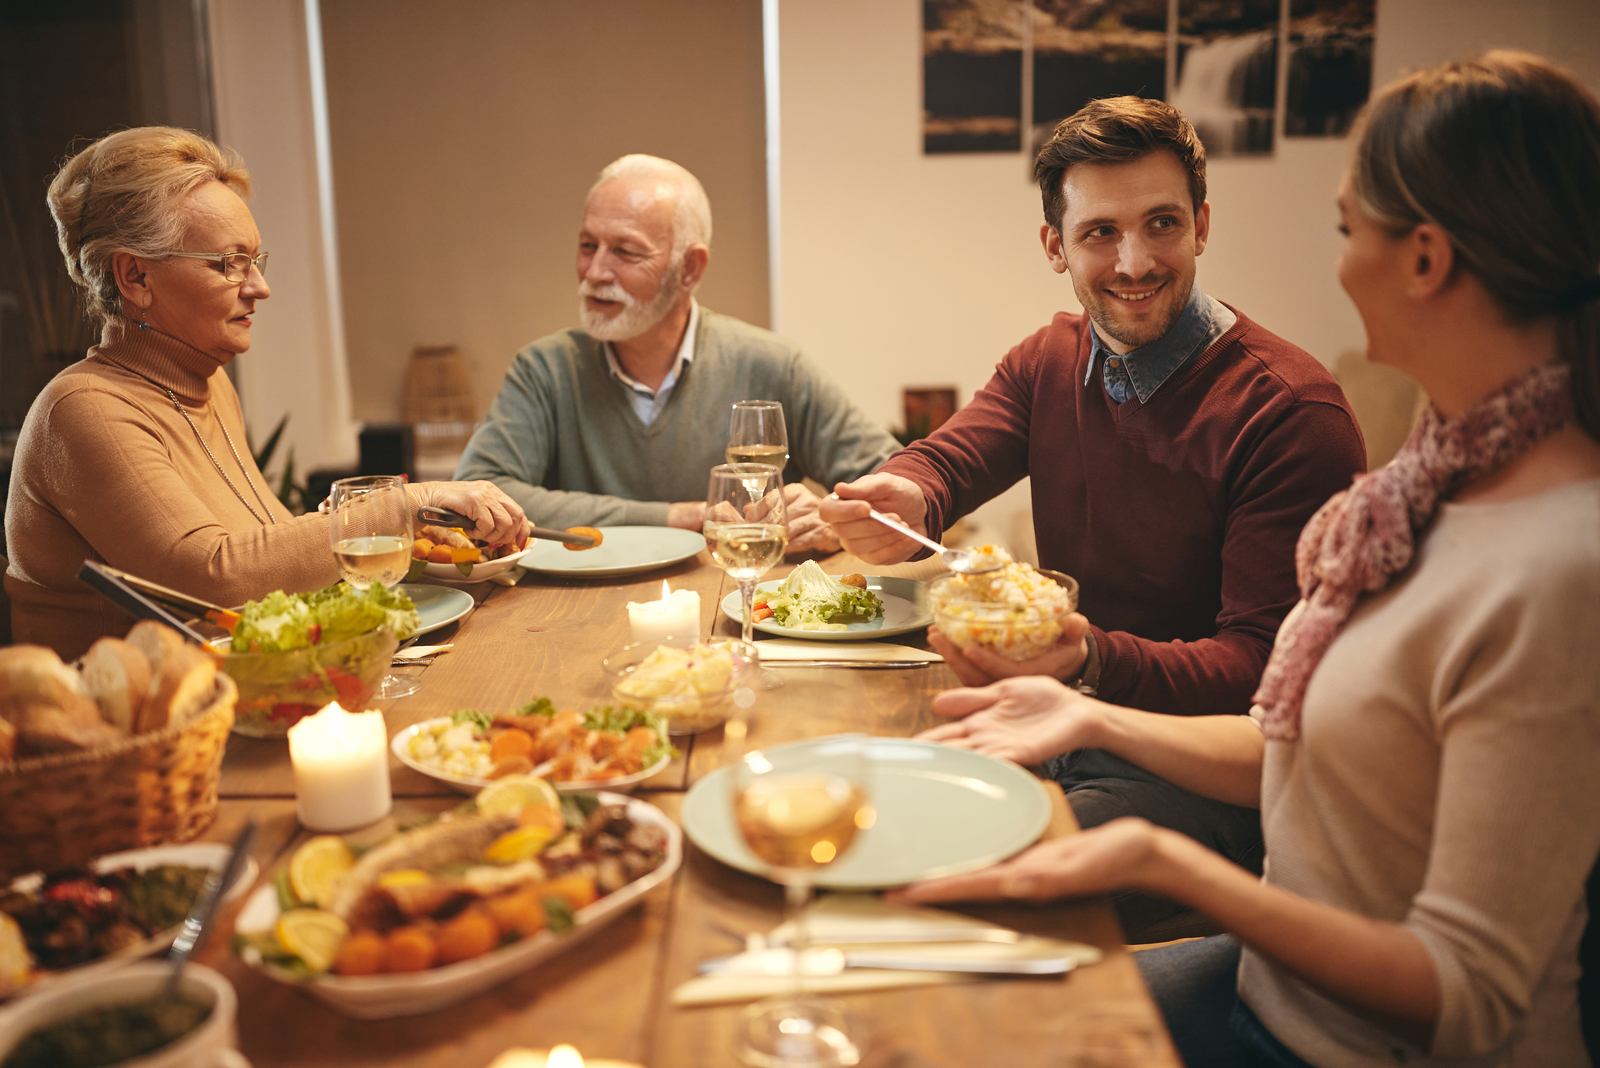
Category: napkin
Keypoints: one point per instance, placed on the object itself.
(801, 649)
(856, 917)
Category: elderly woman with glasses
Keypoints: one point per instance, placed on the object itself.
(135, 456)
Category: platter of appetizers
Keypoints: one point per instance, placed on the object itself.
(437, 913)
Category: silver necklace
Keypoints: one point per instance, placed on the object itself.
(173, 397)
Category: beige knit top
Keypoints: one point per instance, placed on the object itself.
(1448, 779)
(107, 469)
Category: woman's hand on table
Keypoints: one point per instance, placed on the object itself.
(1026, 720)
(808, 531)
(1121, 854)
(500, 519)
(980, 667)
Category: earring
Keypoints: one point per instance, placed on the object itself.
(143, 325)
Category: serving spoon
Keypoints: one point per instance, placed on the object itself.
(961, 561)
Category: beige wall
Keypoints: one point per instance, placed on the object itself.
(902, 269)
(465, 136)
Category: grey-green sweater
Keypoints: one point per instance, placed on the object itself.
(562, 441)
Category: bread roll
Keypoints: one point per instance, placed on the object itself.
(117, 676)
(44, 728)
(155, 641)
(8, 740)
(178, 689)
(37, 673)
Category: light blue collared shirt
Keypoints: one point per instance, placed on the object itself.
(1141, 371)
(646, 402)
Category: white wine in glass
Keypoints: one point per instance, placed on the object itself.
(799, 808)
(369, 529)
(746, 525)
(756, 434)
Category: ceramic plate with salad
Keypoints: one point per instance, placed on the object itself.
(601, 749)
(813, 604)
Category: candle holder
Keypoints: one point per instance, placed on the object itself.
(341, 769)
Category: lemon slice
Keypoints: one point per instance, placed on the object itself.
(15, 961)
(520, 844)
(510, 795)
(317, 867)
(312, 935)
(403, 877)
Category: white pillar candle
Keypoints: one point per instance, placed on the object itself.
(676, 617)
(341, 769)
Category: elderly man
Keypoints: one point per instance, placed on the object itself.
(619, 421)
(1175, 449)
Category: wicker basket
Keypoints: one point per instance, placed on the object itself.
(62, 810)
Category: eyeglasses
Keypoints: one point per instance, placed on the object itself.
(235, 265)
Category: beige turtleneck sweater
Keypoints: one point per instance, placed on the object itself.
(107, 469)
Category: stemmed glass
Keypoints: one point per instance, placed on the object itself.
(798, 808)
(756, 434)
(747, 529)
(369, 527)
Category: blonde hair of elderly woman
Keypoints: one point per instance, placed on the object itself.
(123, 194)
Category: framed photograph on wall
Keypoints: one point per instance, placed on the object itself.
(1330, 65)
(1227, 73)
(972, 75)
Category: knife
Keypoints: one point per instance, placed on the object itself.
(848, 663)
(444, 517)
(822, 962)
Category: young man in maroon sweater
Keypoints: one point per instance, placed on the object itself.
(1175, 450)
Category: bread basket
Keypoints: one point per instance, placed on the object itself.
(64, 809)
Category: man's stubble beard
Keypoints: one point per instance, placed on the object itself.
(636, 317)
(1099, 307)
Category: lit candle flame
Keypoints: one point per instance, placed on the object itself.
(666, 593)
(564, 1056)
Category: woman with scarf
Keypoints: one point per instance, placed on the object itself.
(1425, 737)
(136, 456)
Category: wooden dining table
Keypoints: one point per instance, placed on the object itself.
(609, 994)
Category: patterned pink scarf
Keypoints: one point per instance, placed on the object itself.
(1365, 535)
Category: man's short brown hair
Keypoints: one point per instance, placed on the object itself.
(1118, 129)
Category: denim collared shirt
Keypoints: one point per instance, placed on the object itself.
(1141, 371)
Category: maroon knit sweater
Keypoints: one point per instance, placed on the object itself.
(1178, 517)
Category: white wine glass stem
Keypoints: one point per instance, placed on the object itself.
(796, 895)
(747, 590)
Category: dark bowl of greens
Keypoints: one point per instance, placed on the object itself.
(292, 654)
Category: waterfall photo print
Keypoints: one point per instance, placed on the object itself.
(972, 75)
(1227, 73)
(1083, 51)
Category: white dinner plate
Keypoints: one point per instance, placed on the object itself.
(622, 551)
(940, 811)
(377, 997)
(482, 571)
(905, 609)
(211, 855)
(469, 785)
(437, 606)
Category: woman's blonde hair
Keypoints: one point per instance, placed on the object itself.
(121, 194)
(1503, 154)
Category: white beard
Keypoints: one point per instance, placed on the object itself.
(636, 317)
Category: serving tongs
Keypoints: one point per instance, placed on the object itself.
(192, 935)
(122, 589)
(444, 517)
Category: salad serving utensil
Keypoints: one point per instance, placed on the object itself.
(110, 582)
(444, 517)
(192, 935)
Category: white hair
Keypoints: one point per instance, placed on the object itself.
(691, 222)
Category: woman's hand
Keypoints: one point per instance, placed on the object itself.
(979, 667)
(1027, 720)
(500, 519)
(1121, 854)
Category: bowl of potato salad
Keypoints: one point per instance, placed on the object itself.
(695, 688)
(1015, 612)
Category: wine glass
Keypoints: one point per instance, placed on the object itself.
(756, 434)
(798, 808)
(369, 527)
(746, 529)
